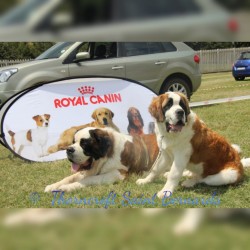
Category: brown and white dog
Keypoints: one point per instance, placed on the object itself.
(102, 118)
(135, 126)
(186, 142)
(37, 138)
(104, 156)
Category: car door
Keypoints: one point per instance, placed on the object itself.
(103, 61)
(145, 62)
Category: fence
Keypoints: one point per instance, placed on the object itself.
(4, 63)
(210, 60)
(219, 60)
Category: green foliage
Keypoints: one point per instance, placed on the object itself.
(217, 45)
(22, 50)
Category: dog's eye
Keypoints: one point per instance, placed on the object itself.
(106, 113)
(169, 104)
(41, 120)
(83, 142)
(99, 114)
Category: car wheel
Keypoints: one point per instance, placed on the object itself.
(176, 85)
(239, 78)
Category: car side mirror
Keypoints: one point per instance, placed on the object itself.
(82, 56)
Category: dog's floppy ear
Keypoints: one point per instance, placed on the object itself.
(36, 117)
(100, 136)
(155, 108)
(47, 116)
(95, 133)
(111, 113)
(94, 116)
(185, 103)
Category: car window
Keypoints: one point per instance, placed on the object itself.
(83, 48)
(136, 49)
(103, 50)
(55, 51)
(155, 48)
(169, 47)
(245, 56)
(141, 9)
(139, 48)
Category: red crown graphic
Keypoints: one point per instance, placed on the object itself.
(86, 90)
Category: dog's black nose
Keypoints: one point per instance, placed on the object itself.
(46, 124)
(70, 150)
(105, 121)
(179, 112)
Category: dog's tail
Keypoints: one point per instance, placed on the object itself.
(236, 148)
(245, 161)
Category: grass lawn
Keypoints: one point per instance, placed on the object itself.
(20, 180)
(126, 229)
(220, 85)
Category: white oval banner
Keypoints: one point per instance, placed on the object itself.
(38, 124)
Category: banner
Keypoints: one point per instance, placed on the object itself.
(38, 124)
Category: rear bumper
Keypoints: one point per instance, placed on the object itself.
(196, 82)
(237, 73)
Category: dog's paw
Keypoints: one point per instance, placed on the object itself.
(187, 173)
(166, 192)
(161, 194)
(51, 188)
(70, 187)
(189, 183)
(66, 188)
(142, 181)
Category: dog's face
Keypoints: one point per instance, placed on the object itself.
(134, 117)
(103, 116)
(172, 109)
(90, 145)
(42, 120)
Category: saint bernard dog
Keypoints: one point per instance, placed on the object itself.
(105, 156)
(185, 142)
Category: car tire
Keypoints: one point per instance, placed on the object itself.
(239, 78)
(177, 84)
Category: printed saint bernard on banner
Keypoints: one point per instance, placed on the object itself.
(40, 124)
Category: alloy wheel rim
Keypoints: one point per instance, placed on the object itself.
(177, 87)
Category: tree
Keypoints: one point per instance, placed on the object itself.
(217, 45)
(22, 50)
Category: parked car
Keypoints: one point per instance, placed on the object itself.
(241, 67)
(160, 66)
(160, 20)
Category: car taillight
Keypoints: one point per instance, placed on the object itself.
(233, 25)
(197, 59)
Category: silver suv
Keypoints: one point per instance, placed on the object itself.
(162, 67)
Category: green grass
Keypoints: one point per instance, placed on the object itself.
(220, 85)
(126, 229)
(19, 179)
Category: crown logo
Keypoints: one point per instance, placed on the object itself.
(86, 90)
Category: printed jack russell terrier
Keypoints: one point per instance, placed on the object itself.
(37, 137)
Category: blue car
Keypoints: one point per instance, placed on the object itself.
(241, 68)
